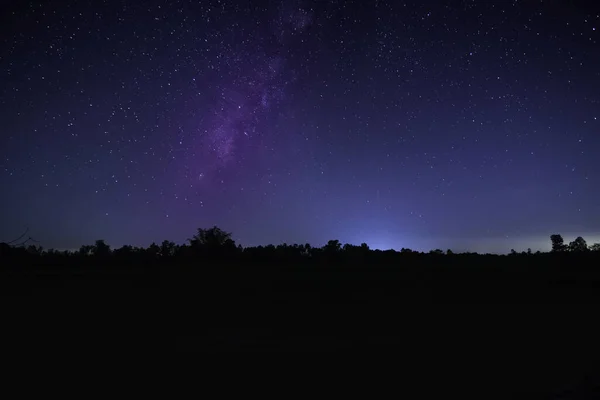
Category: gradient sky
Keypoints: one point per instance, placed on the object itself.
(472, 125)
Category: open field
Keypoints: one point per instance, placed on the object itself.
(533, 327)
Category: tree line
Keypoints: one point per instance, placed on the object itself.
(215, 243)
(577, 245)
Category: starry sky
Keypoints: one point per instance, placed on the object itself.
(471, 125)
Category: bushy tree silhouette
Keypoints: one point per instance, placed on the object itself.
(333, 246)
(100, 248)
(85, 250)
(578, 245)
(167, 248)
(124, 251)
(153, 250)
(213, 237)
(213, 242)
(558, 243)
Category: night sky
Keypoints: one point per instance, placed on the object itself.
(471, 125)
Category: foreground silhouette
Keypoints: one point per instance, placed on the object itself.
(209, 247)
(526, 319)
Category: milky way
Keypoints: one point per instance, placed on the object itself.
(469, 125)
(258, 74)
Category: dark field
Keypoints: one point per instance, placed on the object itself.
(528, 328)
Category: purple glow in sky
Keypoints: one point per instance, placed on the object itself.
(472, 126)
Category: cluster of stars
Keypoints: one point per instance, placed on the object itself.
(300, 121)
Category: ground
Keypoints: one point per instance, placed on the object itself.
(535, 337)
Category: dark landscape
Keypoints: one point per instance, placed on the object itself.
(526, 319)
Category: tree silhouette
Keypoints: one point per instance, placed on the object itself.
(578, 245)
(167, 248)
(85, 250)
(595, 247)
(558, 243)
(333, 246)
(214, 241)
(305, 250)
(100, 248)
(124, 251)
(153, 250)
